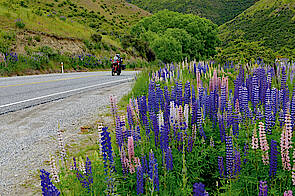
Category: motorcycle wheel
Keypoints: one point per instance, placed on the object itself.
(113, 73)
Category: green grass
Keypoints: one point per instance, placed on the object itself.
(219, 11)
(44, 24)
(270, 22)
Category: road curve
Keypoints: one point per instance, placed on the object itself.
(28, 128)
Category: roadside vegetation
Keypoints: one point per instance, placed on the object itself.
(201, 127)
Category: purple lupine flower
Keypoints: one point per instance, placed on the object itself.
(246, 152)
(48, 189)
(255, 92)
(156, 176)
(263, 188)
(169, 159)
(187, 93)
(190, 144)
(88, 171)
(199, 189)
(273, 158)
(137, 135)
(144, 164)
(140, 181)
(275, 101)
(164, 140)
(119, 134)
(229, 156)
(292, 107)
(281, 117)
(107, 151)
(143, 114)
(230, 113)
(151, 165)
(221, 127)
(194, 95)
(160, 97)
(237, 162)
(130, 117)
(155, 123)
(235, 123)
(223, 99)
(221, 166)
(178, 88)
(245, 102)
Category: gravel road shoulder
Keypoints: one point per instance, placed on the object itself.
(28, 136)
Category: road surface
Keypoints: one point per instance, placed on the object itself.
(31, 107)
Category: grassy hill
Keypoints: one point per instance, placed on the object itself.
(70, 18)
(269, 22)
(53, 28)
(219, 11)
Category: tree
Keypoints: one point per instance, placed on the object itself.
(167, 49)
(190, 36)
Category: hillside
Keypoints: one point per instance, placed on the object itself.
(67, 20)
(57, 30)
(269, 22)
(219, 11)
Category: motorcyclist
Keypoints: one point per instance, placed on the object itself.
(117, 58)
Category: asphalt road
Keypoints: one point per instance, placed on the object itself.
(32, 108)
(20, 92)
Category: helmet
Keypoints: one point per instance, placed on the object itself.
(118, 55)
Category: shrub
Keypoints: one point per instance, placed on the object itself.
(20, 24)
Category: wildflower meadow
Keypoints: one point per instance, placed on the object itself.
(197, 128)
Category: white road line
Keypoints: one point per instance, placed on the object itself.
(54, 94)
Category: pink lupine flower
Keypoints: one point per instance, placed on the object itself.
(286, 143)
(130, 148)
(124, 160)
(263, 143)
(293, 169)
(288, 193)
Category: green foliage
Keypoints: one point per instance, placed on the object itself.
(19, 24)
(142, 47)
(96, 37)
(219, 11)
(167, 49)
(6, 40)
(239, 51)
(174, 36)
(271, 22)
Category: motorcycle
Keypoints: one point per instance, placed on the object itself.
(117, 67)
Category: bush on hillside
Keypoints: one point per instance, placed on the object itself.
(178, 36)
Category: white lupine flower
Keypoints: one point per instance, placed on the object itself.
(99, 130)
(61, 145)
(81, 165)
(54, 171)
(161, 119)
